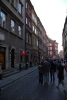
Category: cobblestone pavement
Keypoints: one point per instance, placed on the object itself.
(27, 88)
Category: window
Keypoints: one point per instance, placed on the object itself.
(50, 52)
(35, 30)
(29, 24)
(29, 11)
(3, 20)
(26, 37)
(50, 48)
(29, 39)
(26, 5)
(33, 27)
(26, 20)
(12, 26)
(32, 16)
(19, 30)
(20, 8)
(13, 3)
(50, 44)
(37, 43)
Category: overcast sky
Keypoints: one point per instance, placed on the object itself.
(52, 14)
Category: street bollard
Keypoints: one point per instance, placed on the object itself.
(0, 71)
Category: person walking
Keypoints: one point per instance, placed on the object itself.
(65, 66)
(60, 75)
(46, 67)
(52, 71)
(41, 71)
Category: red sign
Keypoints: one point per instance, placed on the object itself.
(23, 53)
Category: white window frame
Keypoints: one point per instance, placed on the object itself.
(20, 8)
(26, 20)
(19, 30)
(12, 22)
(3, 19)
(26, 5)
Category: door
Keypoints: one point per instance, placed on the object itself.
(2, 59)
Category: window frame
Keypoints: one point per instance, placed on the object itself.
(18, 30)
(20, 9)
(2, 24)
(14, 26)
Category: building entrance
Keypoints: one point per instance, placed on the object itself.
(2, 59)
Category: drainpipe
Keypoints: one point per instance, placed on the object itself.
(25, 31)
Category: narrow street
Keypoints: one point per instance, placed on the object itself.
(27, 88)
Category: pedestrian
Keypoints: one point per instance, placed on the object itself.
(52, 71)
(65, 66)
(41, 71)
(46, 67)
(55, 62)
(60, 75)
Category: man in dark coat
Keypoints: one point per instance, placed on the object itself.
(41, 71)
(60, 75)
(46, 66)
(52, 71)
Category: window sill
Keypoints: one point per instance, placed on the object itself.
(13, 33)
(20, 37)
(20, 14)
(4, 28)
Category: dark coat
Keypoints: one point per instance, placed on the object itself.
(53, 67)
(46, 66)
(40, 67)
(60, 68)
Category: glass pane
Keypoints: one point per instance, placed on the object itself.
(3, 22)
(19, 30)
(12, 26)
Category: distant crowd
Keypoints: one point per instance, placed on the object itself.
(50, 67)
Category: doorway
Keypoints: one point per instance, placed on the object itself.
(2, 59)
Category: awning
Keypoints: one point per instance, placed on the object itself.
(23, 53)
